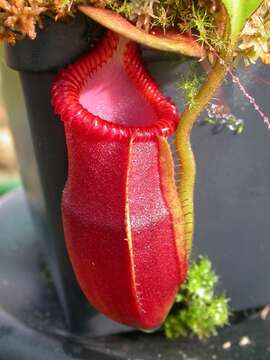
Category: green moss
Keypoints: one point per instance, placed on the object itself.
(189, 16)
(203, 19)
(190, 84)
(126, 8)
(198, 310)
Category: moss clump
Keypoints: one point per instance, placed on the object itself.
(187, 16)
(198, 310)
(204, 19)
(20, 17)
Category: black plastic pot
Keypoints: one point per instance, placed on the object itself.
(44, 174)
(232, 191)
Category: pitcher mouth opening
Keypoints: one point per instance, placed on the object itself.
(110, 92)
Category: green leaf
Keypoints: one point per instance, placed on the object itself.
(239, 11)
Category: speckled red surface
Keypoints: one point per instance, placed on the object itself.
(121, 214)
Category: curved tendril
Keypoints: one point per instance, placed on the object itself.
(183, 144)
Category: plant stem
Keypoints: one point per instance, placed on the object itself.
(184, 149)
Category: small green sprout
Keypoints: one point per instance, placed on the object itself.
(197, 309)
(126, 8)
(190, 84)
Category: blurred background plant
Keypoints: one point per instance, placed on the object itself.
(9, 178)
(218, 114)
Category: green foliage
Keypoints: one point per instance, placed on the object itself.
(190, 84)
(198, 310)
(239, 11)
(201, 18)
(201, 22)
(126, 8)
(190, 16)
